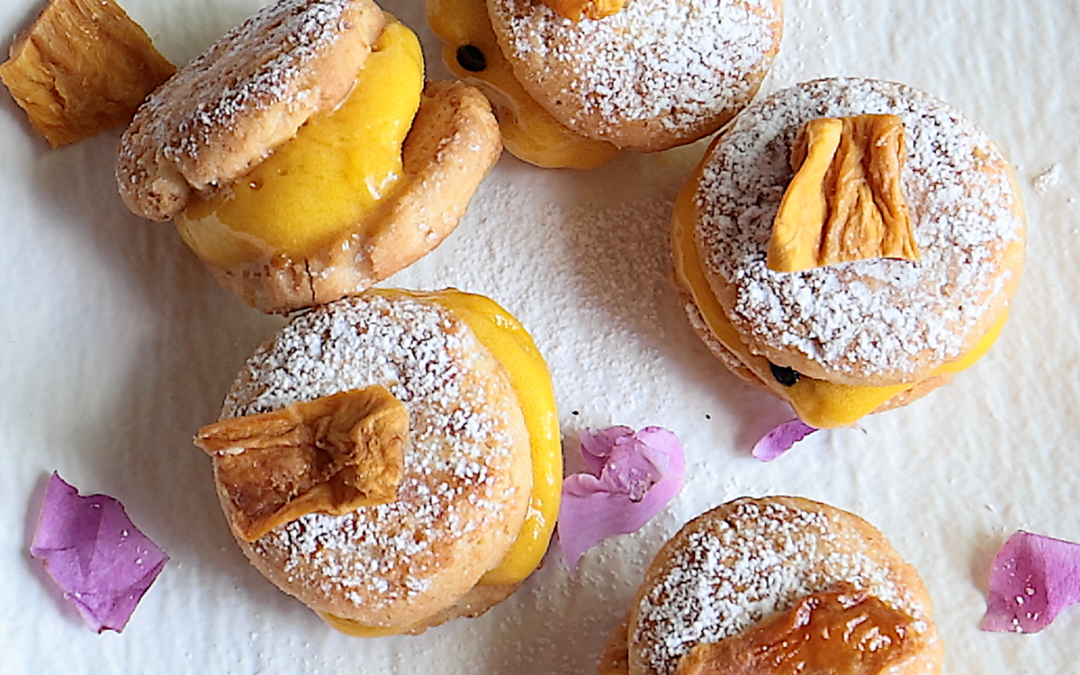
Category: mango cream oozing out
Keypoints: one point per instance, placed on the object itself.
(326, 179)
(512, 346)
(817, 402)
(529, 132)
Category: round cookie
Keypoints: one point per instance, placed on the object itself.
(245, 95)
(195, 148)
(656, 74)
(745, 561)
(413, 562)
(901, 326)
(573, 93)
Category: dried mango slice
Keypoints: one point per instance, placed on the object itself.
(837, 631)
(591, 9)
(82, 68)
(845, 202)
(331, 455)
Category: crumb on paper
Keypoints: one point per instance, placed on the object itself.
(1051, 176)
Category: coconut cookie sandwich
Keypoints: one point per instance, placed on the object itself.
(777, 586)
(574, 82)
(392, 459)
(849, 245)
(302, 156)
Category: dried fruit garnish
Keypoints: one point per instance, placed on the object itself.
(331, 455)
(781, 439)
(1033, 578)
(90, 547)
(591, 9)
(83, 67)
(630, 477)
(839, 630)
(845, 202)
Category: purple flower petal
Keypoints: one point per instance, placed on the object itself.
(101, 561)
(1033, 578)
(781, 439)
(632, 468)
(595, 448)
(632, 477)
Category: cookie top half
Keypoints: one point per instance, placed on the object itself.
(245, 95)
(656, 74)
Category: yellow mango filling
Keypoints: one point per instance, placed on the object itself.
(326, 179)
(508, 341)
(355, 629)
(529, 131)
(817, 402)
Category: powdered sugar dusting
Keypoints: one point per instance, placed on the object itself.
(238, 100)
(729, 573)
(300, 30)
(673, 61)
(378, 556)
(874, 316)
(1051, 176)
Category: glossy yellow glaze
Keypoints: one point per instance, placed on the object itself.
(529, 131)
(327, 178)
(512, 346)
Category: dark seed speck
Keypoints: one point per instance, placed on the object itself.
(785, 376)
(471, 58)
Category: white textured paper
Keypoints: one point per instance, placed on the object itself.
(117, 346)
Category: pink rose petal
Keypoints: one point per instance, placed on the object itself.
(631, 477)
(99, 559)
(595, 447)
(781, 439)
(1033, 578)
